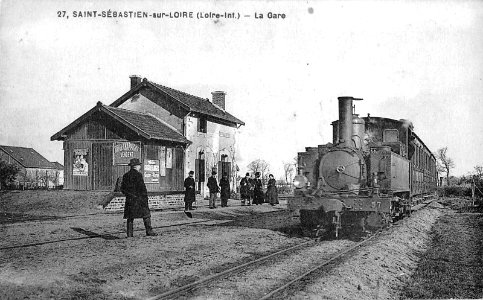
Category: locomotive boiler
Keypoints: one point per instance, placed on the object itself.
(374, 170)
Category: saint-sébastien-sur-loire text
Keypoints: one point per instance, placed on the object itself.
(91, 14)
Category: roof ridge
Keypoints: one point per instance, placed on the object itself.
(204, 106)
(169, 88)
(18, 147)
(128, 110)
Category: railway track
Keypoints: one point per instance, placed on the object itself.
(105, 235)
(278, 290)
(285, 286)
(252, 267)
(182, 291)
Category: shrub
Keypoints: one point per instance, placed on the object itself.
(8, 172)
(454, 190)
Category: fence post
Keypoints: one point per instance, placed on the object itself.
(473, 190)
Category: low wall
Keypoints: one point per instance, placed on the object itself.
(154, 202)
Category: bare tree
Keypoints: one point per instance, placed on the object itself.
(234, 168)
(445, 163)
(261, 166)
(289, 169)
(479, 171)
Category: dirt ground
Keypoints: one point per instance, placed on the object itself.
(394, 266)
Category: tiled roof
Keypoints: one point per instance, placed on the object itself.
(28, 157)
(145, 125)
(58, 165)
(153, 127)
(198, 104)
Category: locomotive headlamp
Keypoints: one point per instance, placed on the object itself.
(300, 181)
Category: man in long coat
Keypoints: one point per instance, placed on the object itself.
(136, 206)
(245, 186)
(214, 188)
(189, 194)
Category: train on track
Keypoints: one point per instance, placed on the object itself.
(372, 173)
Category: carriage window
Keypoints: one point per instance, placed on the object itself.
(391, 135)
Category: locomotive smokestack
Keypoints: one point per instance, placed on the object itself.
(345, 120)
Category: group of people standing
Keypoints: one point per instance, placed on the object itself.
(251, 189)
(214, 188)
(136, 205)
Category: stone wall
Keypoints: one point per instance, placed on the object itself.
(155, 202)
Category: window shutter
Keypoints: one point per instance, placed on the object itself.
(201, 168)
(197, 170)
(228, 169)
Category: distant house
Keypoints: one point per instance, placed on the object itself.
(60, 169)
(170, 131)
(35, 170)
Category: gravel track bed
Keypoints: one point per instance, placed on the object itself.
(30, 232)
(131, 268)
(258, 280)
(142, 267)
(379, 270)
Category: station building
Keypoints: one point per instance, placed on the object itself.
(171, 132)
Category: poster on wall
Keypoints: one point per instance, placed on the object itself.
(151, 171)
(80, 166)
(162, 161)
(123, 152)
(169, 158)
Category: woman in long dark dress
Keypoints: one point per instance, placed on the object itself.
(225, 190)
(272, 193)
(258, 191)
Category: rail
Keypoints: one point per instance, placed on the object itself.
(177, 292)
(283, 287)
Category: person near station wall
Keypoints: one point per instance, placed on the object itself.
(136, 205)
(189, 194)
(245, 187)
(213, 188)
(258, 190)
(272, 193)
(225, 190)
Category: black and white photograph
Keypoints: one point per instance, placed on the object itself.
(241, 149)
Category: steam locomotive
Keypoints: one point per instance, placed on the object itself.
(372, 173)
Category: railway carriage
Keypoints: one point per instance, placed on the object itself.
(374, 170)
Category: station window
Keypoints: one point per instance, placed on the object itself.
(202, 124)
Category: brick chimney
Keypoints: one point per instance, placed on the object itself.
(219, 98)
(135, 80)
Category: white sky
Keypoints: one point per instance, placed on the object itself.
(415, 60)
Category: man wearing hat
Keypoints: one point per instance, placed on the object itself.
(136, 198)
(190, 194)
(245, 186)
(213, 187)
